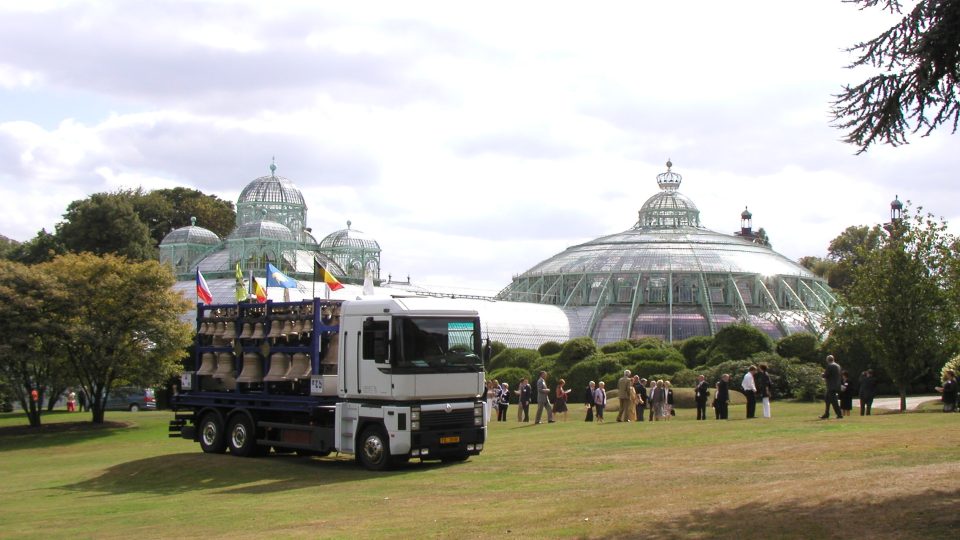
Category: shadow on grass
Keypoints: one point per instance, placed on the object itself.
(929, 514)
(181, 473)
(25, 437)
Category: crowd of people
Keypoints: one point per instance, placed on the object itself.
(639, 398)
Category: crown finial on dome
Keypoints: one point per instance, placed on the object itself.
(273, 165)
(669, 181)
(349, 223)
(193, 221)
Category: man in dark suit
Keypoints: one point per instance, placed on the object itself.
(588, 394)
(723, 396)
(640, 386)
(832, 376)
(700, 392)
(868, 390)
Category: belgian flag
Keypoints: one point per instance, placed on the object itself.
(325, 276)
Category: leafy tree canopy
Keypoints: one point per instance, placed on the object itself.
(916, 88)
(106, 223)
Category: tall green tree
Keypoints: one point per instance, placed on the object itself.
(163, 210)
(848, 251)
(106, 223)
(123, 322)
(32, 334)
(41, 248)
(899, 299)
(916, 88)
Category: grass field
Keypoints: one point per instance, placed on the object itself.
(793, 476)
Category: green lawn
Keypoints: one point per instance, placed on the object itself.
(884, 476)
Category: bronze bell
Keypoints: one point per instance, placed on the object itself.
(300, 367)
(208, 364)
(224, 366)
(247, 331)
(279, 365)
(219, 328)
(230, 331)
(257, 331)
(275, 329)
(287, 328)
(307, 327)
(252, 371)
(203, 329)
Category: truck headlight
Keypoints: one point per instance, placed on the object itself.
(414, 425)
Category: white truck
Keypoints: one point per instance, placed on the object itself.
(384, 379)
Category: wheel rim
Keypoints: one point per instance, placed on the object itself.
(373, 449)
(239, 435)
(134, 408)
(209, 433)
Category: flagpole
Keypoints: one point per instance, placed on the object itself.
(313, 291)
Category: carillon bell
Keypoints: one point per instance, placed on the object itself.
(247, 331)
(258, 332)
(279, 365)
(299, 367)
(208, 364)
(275, 329)
(229, 331)
(219, 328)
(252, 371)
(225, 366)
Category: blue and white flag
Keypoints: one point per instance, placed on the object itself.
(276, 278)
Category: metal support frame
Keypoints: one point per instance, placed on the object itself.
(744, 313)
(806, 312)
(573, 291)
(776, 308)
(602, 302)
(637, 301)
(708, 311)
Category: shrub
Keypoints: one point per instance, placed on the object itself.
(580, 375)
(692, 348)
(647, 368)
(521, 358)
(684, 378)
(738, 342)
(803, 380)
(496, 347)
(803, 346)
(545, 363)
(617, 346)
(667, 354)
(648, 342)
(511, 376)
(574, 351)
(549, 347)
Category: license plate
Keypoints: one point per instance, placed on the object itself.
(449, 440)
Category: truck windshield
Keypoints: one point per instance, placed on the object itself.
(437, 344)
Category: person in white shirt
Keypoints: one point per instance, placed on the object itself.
(750, 391)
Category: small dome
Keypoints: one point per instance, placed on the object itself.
(746, 214)
(267, 230)
(271, 189)
(895, 204)
(669, 208)
(349, 238)
(191, 234)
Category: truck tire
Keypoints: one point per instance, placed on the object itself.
(212, 440)
(134, 407)
(373, 449)
(242, 437)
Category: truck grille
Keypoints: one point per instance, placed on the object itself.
(434, 420)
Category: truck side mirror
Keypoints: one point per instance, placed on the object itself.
(376, 340)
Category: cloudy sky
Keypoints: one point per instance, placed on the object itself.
(472, 140)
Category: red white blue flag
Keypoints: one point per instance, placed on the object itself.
(203, 292)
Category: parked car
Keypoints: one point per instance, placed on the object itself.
(131, 399)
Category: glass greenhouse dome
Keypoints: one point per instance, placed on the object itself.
(668, 276)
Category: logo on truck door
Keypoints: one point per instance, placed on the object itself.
(448, 408)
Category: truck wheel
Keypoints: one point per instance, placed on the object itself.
(242, 437)
(374, 449)
(211, 435)
(134, 407)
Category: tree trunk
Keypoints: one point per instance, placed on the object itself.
(33, 414)
(96, 411)
(903, 397)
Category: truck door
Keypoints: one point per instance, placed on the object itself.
(373, 369)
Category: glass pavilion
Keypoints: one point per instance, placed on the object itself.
(668, 276)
